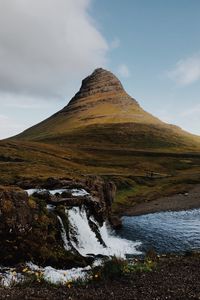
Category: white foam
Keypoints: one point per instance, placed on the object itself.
(75, 192)
(79, 192)
(10, 277)
(57, 276)
(64, 235)
(50, 207)
(86, 241)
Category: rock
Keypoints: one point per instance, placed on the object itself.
(28, 232)
(116, 222)
(103, 195)
(45, 195)
(71, 201)
(109, 192)
(100, 81)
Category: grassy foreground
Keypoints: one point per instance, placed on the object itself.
(165, 277)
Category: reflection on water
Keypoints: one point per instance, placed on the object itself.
(165, 232)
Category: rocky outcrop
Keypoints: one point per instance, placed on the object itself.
(100, 81)
(28, 232)
(100, 88)
(103, 193)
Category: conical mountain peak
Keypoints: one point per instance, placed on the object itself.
(100, 81)
(103, 113)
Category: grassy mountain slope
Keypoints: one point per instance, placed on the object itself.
(103, 131)
(103, 114)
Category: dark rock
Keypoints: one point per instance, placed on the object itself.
(45, 195)
(28, 232)
(115, 222)
(100, 81)
(66, 194)
(73, 201)
(103, 195)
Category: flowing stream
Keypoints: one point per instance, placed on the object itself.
(166, 232)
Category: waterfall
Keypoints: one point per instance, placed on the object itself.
(85, 241)
(82, 237)
(64, 235)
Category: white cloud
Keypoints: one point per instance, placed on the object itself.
(46, 48)
(186, 71)
(19, 112)
(45, 45)
(9, 126)
(123, 71)
(22, 102)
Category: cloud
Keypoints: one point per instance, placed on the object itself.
(45, 45)
(123, 71)
(8, 100)
(9, 126)
(186, 71)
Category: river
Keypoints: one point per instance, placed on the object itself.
(165, 232)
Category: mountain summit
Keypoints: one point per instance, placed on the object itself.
(100, 81)
(102, 99)
(103, 114)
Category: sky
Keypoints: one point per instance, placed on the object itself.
(48, 46)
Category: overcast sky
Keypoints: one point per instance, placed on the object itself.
(48, 46)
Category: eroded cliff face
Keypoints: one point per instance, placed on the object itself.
(29, 231)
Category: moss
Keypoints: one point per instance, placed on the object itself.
(7, 206)
(32, 203)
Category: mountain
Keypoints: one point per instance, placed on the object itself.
(104, 132)
(102, 114)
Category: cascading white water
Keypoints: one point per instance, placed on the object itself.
(74, 192)
(64, 235)
(81, 236)
(86, 241)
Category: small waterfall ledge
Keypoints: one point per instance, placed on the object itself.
(84, 233)
(64, 227)
(99, 241)
(81, 233)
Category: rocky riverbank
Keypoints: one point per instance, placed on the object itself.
(172, 277)
(189, 199)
